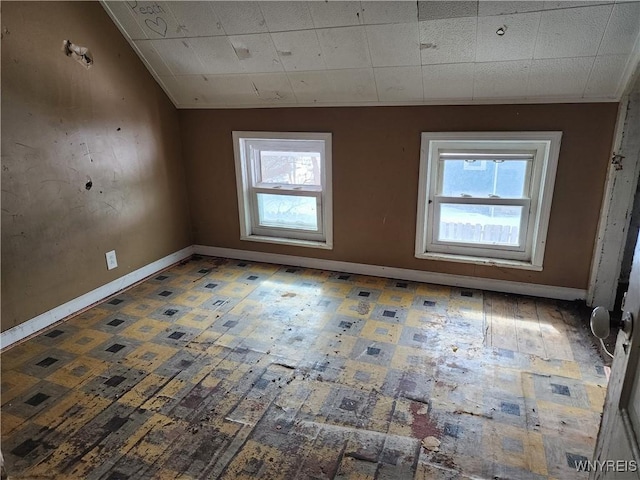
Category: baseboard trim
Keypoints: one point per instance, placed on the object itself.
(28, 328)
(532, 289)
(36, 324)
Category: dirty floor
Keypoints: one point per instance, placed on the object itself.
(228, 369)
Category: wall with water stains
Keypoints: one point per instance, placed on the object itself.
(91, 159)
(376, 158)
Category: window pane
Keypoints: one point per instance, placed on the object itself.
(482, 178)
(291, 168)
(287, 211)
(480, 224)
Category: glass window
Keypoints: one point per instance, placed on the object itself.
(284, 187)
(486, 196)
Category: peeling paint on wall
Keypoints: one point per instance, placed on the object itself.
(82, 55)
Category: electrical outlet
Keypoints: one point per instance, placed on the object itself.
(112, 261)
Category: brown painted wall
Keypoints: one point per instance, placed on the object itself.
(63, 125)
(376, 152)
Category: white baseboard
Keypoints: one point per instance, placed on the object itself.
(54, 315)
(533, 289)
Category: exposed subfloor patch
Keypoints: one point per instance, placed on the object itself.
(228, 369)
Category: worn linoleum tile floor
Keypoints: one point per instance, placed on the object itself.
(228, 369)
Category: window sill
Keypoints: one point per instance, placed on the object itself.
(288, 241)
(486, 261)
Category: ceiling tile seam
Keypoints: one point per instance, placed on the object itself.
(324, 60)
(473, 86)
(323, 28)
(219, 19)
(181, 28)
(533, 54)
(633, 63)
(291, 86)
(373, 73)
(189, 46)
(419, 49)
(278, 52)
(421, 76)
(219, 22)
(263, 72)
(604, 31)
(313, 21)
(148, 63)
(594, 4)
(593, 64)
(475, 55)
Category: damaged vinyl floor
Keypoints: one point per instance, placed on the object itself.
(228, 369)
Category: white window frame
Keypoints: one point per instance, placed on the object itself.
(249, 186)
(543, 148)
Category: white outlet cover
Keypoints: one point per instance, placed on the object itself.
(112, 261)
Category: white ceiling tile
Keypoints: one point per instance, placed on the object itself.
(397, 84)
(156, 19)
(272, 88)
(572, 32)
(622, 29)
(285, 16)
(574, 3)
(334, 86)
(299, 50)
(559, 76)
(344, 47)
(180, 92)
(122, 11)
(240, 17)
(605, 76)
(192, 90)
(492, 7)
(212, 90)
(311, 87)
(197, 19)
(179, 55)
(256, 53)
(431, 10)
(394, 44)
(216, 55)
(449, 81)
(335, 14)
(232, 90)
(377, 12)
(448, 41)
(353, 85)
(329, 50)
(152, 58)
(518, 41)
(501, 79)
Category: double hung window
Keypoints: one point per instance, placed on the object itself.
(486, 197)
(284, 187)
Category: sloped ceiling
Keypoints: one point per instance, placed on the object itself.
(266, 53)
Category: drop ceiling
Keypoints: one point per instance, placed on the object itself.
(267, 54)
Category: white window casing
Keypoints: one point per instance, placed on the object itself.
(255, 192)
(520, 245)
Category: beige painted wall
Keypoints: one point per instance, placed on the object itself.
(376, 152)
(62, 126)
